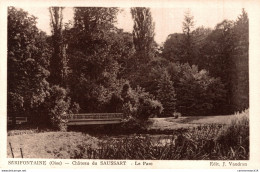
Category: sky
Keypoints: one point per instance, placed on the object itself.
(167, 20)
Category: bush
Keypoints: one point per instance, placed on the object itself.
(115, 104)
(74, 108)
(197, 93)
(237, 132)
(166, 94)
(148, 108)
(176, 115)
(57, 105)
(139, 105)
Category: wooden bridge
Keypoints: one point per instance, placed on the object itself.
(95, 118)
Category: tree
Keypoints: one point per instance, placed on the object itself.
(138, 104)
(94, 48)
(173, 48)
(91, 26)
(240, 57)
(143, 33)
(180, 47)
(187, 27)
(199, 36)
(27, 63)
(166, 94)
(197, 93)
(58, 62)
(217, 58)
(188, 24)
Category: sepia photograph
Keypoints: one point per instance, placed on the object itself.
(128, 83)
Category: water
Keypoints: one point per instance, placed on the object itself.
(155, 139)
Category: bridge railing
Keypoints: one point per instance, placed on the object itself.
(19, 120)
(97, 116)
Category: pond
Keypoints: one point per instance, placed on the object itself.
(153, 139)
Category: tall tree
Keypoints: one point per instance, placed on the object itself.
(143, 33)
(91, 26)
(240, 58)
(93, 45)
(187, 27)
(199, 36)
(27, 62)
(173, 48)
(58, 62)
(217, 57)
(188, 23)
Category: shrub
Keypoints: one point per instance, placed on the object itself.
(237, 132)
(176, 115)
(57, 106)
(197, 93)
(166, 94)
(115, 104)
(139, 105)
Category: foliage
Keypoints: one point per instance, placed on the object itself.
(98, 59)
(225, 55)
(27, 59)
(166, 94)
(240, 56)
(115, 104)
(188, 24)
(173, 48)
(143, 33)
(223, 52)
(138, 104)
(149, 75)
(237, 132)
(196, 92)
(14, 105)
(176, 115)
(91, 28)
(98, 53)
(57, 106)
(58, 61)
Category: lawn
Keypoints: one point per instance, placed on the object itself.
(171, 123)
(49, 144)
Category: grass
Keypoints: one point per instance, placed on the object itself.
(207, 138)
(187, 122)
(49, 144)
(199, 143)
